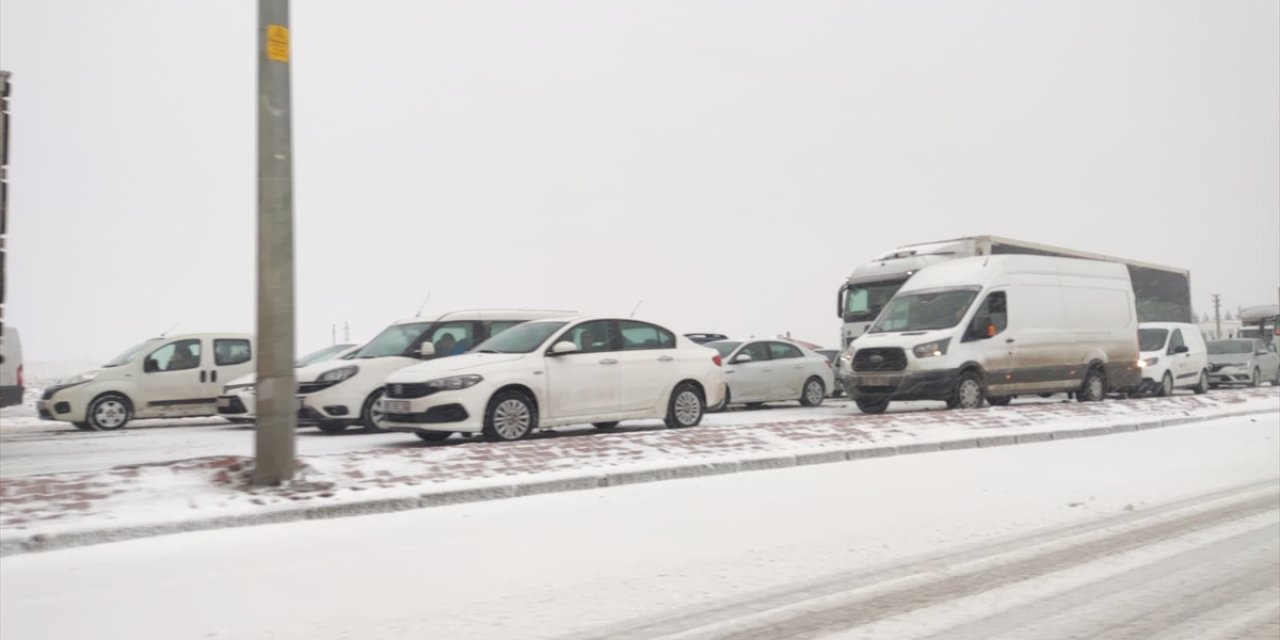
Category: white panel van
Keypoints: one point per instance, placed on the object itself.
(989, 328)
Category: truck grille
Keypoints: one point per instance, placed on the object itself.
(879, 359)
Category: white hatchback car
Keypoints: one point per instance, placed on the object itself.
(760, 371)
(556, 372)
(340, 393)
(1172, 355)
(239, 397)
(170, 377)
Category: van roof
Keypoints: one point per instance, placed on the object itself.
(1168, 325)
(1034, 246)
(984, 270)
(490, 314)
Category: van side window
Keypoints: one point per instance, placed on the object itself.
(1176, 341)
(175, 356)
(229, 352)
(994, 311)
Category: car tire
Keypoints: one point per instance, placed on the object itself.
(1256, 379)
(605, 426)
(331, 427)
(871, 407)
(1166, 386)
(109, 412)
(371, 415)
(1202, 385)
(432, 436)
(686, 407)
(1094, 387)
(999, 401)
(813, 393)
(239, 420)
(83, 426)
(511, 415)
(969, 392)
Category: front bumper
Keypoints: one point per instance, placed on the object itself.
(331, 405)
(66, 403)
(234, 406)
(937, 384)
(1231, 376)
(456, 410)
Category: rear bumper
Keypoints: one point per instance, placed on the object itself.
(936, 384)
(11, 395)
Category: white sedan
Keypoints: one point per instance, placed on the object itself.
(760, 371)
(547, 373)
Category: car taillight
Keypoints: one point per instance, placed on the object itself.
(20, 376)
(716, 359)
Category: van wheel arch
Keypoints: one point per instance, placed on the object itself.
(124, 399)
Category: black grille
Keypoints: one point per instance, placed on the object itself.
(879, 359)
(411, 390)
(1215, 367)
(442, 414)
(312, 387)
(234, 406)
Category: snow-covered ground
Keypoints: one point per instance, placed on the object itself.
(1168, 533)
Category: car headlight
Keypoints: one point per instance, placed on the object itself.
(455, 382)
(1148, 362)
(338, 375)
(931, 349)
(244, 388)
(846, 357)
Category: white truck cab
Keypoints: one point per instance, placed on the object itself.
(337, 394)
(166, 377)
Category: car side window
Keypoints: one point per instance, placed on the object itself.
(175, 356)
(453, 338)
(780, 350)
(228, 352)
(994, 312)
(759, 351)
(595, 336)
(1176, 341)
(638, 336)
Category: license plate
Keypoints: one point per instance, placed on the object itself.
(877, 381)
(395, 406)
(224, 402)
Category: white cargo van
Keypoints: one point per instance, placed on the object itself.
(168, 377)
(990, 328)
(1173, 356)
(12, 386)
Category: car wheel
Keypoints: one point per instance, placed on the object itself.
(372, 415)
(433, 436)
(1166, 385)
(1256, 379)
(109, 412)
(685, 408)
(1094, 388)
(511, 415)
(871, 407)
(999, 401)
(1202, 385)
(331, 427)
(968, 393)
(814, 393)
(605, 426)
(239, 420)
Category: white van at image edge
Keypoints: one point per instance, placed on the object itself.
(996, 327)
(12, 385)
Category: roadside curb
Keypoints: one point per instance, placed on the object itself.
(593, 479)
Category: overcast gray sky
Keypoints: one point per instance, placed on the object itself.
(727, 162)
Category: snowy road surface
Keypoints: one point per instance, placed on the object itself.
(1171, 533)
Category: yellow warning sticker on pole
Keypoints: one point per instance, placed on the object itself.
(277, 43)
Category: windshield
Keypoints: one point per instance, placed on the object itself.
(327, 353)
(1222, 347)
(131, 353)
(1152, 339)
(925, 311)
(724, 347)
(395, 340)
(863, 302)
(522, 338)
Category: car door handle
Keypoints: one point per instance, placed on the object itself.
(665, 359)
(1009, 340)
(609, 361)
(213, 376)
(203, 374)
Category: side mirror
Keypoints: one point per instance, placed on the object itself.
(564, 347)
(743, 358)
(427, 349)
(1181, 349)
(150, 365)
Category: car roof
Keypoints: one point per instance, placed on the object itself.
(490, 314)
(206, 334)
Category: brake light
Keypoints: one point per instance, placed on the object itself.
(20, 376)
(716, 359)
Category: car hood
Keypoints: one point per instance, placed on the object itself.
(385, 364)
(465, 363)
(904, 339)
(248, 378)
(1230, 358)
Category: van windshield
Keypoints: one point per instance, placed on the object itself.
(395, 340)
(925, 311)
(133, 352)
(1152, 339)
(863, 302)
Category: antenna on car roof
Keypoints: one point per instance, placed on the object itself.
(166, 331)
(423, 305)
(636, 308)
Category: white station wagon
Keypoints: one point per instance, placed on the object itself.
(547, 373)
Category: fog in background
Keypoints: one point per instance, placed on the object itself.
(727, 162)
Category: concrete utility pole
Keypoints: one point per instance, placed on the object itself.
(1217, 317)
(277, 407)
